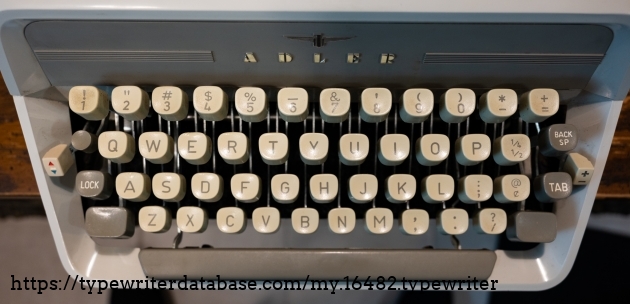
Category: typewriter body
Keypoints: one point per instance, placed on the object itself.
(454, 139)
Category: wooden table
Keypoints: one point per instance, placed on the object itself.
(17, 179)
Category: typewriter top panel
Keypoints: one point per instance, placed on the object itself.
(318, 54)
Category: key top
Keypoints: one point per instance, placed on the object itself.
(313, 148)
(119, 147)
(231, 220)
(58, 160)
(266, 219)
(497, 105)
(109, 222)
(285, 188)
(323, 188)
(375, 104)
(274, 148)
(490, 221)
(362, 188)
(538, 105)
(353, 149)
(207, 187)
(211, 103)
(414, 221)
(334, 105)
(170, 102)
(474, 188)
(233, 147)
(579, 167)
(170, 187)
(393, 149)
(432, 149)
(246, 187)
(293, 104)
(379, 220)
(192, 219)
(511, 188)
(341, 220)
(453, 221)
(156, 147)
(154, 219)
(132, 186)
(532, 227)
(437, 188)
(400, 188)
(416, 105)
(472, 149)
(94, 184)
(553, 186)
(456, 105)
(305, 220)
(195, 147)
(511, 149)
(84, 141)
(251, 104)
(130, 102)
(557, 139)
(89, 102)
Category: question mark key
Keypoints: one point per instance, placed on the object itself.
(490, 221)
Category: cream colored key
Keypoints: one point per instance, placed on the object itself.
(474, 188)
(414, 221)
(393, 149)
(353, 149)
(323, 188)
(511, 188)
(251, 104)
(375, 104)
(497, 105)
(456, 105)
(362, 188)
(379, 220)
(432, 149)
(130, 102)
(133, 186)
(341, 220)
(89, 102)
(195, 147)
(511, 149)
(274, 148)
(266, 219)
(305, 220)
(231, 220)
(154, 219)
(452, 221)
(207, 187)
(156, 147)
(579, 167)
(119, 147)
(400, 188)
(192, 219)
(334, 105)
(490, 221)
(233, 147)
(58, 160)
(416, 105)
(472, 149)
(170, 102)
(170, 187)
(313, 148)
(437, 188)
(293, 104)
(285, 188)
(538, 104)
(246, 187)
(211, 103)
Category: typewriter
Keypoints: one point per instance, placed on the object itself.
(275, 140)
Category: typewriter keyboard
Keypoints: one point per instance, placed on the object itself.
(385, 159)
